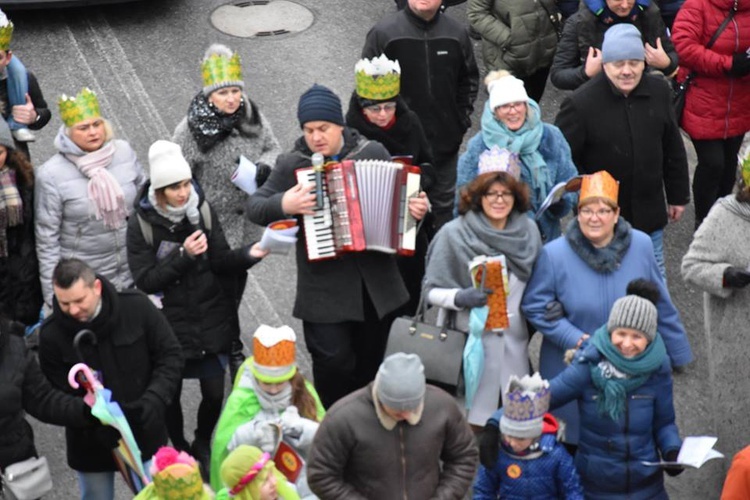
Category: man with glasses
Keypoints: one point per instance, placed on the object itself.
(622, 121)
(439, 81)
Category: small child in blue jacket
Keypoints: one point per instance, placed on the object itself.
(522, 459)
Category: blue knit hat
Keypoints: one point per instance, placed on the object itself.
(622, 42)
(319, 103)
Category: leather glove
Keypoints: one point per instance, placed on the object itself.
(553, 311)
(557, 208)
(107, 436)
(673, 470)
(144, 413)
(740, 64)
(261, 176)
(734, 277)
(428, 176)
(291, 422)
(468, 298)
(489, 445)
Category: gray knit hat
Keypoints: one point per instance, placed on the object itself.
(634, 312)
(622, 42)
(319, 103)
(5, 138)
(401, 382)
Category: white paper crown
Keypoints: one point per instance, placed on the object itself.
(377, 66)
(499, 159)
(526, 398)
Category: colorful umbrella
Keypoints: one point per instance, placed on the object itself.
(127, 455)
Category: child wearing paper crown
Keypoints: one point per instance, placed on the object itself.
(249, 474)
(176, 477)
(522, 458)
(270, 400)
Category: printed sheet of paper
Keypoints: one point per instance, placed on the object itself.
(695, 451)
(280, 236)
(496, 280)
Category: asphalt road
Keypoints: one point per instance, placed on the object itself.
(143, 60)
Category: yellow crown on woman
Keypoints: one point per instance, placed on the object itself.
(81, 107)
(6, 31)
(221, 68)
(378, 78)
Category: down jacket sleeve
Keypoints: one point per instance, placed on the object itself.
(48, 221)
(481, 18)
(704, 263)
(567, 71)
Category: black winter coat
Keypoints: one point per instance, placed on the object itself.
(20, 289)
(439, 76)
(40, 106)
(584, 29)
(24, 388)
(138, 358)
(634, 138)
(199, 309)
(331, 291)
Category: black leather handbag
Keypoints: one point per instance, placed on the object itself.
(441, 348)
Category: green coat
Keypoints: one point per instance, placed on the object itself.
(241, 407)
(517, 35)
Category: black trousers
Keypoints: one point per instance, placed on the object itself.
(209, 410)
(442, 193)
(346, 356)
(535, 83)
(715, 173)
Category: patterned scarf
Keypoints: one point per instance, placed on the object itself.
(208, 125)
(11, 206)
(103, 189)
(617, 375)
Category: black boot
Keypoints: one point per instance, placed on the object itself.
(236, 358)
(201, 451)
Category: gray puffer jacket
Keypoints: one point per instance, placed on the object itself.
(65, 222)
(213, 169)
(517, 35)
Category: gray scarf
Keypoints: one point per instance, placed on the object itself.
(174, 214)
(739, 208)
(462, 239)
(273, 402)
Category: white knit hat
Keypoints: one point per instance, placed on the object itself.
(167, 165)
(505, 90)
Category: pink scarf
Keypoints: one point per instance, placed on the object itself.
(103, 188)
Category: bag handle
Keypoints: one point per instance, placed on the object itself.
(450, 320)
(712, 41)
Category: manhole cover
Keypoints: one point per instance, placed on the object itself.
(257, 18)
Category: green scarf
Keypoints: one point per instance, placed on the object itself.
(613, 390)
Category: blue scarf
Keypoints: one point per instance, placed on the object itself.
(613, 390)
(524, 141)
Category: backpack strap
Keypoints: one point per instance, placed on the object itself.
(205, 210)
(146, 230)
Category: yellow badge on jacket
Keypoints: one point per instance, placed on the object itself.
(513, 471)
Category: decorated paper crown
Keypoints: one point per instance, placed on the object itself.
(744, 165)
(220, 70)
(599, 185)
(176, 477)
(499, 159)
(378, 78)
(273, 354)
(525, 402)
(81, 107)
(6, 31)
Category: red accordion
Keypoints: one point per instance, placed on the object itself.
(364, 208)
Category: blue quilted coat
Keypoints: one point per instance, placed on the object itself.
(550, 475)
(610, 452)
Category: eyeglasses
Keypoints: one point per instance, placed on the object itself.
(494, 196)
(378, 108)
(518, 106)
(601, 213)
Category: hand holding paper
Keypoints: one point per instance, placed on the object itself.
(280, 236)
(244, 176)
(695, 451)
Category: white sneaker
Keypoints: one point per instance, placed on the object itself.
(24, 135)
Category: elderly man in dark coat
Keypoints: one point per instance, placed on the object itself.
(622, 121)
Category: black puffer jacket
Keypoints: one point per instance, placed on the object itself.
(331, 291)
(584, 29)
(439, 76)
(194, 300)
(20, 289)
(139, 360)
(24, 388)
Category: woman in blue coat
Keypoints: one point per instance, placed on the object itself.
(513, 121)
(622, 381)
(585, 272)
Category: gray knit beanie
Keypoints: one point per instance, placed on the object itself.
(401, 382)
(634, 312)
(5, 138)
(622, 42)
(319, 103)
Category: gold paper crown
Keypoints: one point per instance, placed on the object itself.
(221, 71)
(180, 482)
(81, 107)
(599, 185)
(378, 78)
(6, 33)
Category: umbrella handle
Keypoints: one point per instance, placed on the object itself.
(90, 382)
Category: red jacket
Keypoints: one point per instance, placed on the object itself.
(717, 105)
